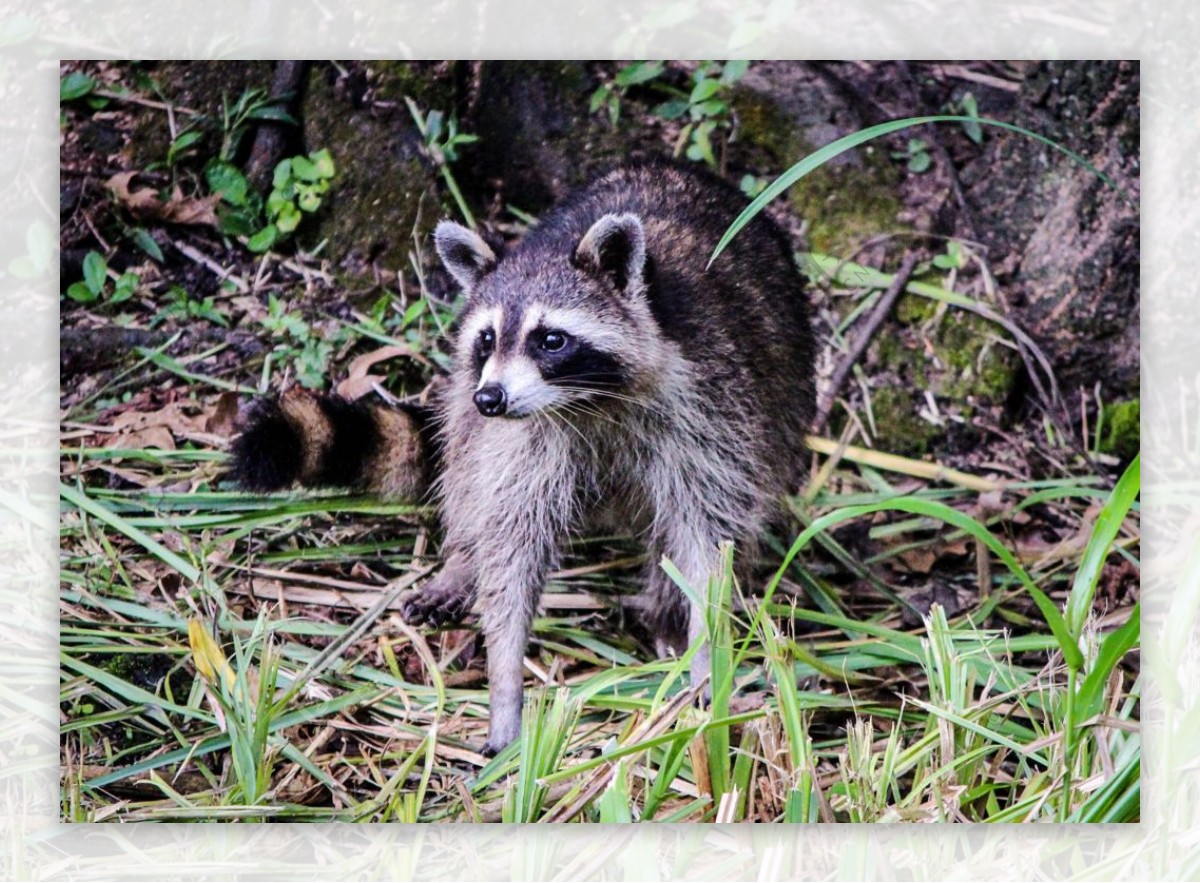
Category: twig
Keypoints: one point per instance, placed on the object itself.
(145, 102)
(881, 311)
(903, 465)
(194, 255)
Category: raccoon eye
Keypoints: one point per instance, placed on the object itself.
(553, 341)
(487, 341)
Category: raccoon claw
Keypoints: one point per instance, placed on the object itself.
(441, 602)
(420, 609)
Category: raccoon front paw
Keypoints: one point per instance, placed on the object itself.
(443, 601)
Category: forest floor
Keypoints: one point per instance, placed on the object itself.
(946, 632)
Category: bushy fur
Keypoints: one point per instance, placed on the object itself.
(685, 422)
(673, 402)
(318, 441)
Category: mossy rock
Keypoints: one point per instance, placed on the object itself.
(956, 356)
(1121, 434)
(385, 190)
(848, 199)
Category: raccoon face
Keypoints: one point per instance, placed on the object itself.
(543, 330)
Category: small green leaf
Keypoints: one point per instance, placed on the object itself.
(283, 174)
(146, 243)
(919, 162)
(304, 168)
(641, 72)
(289, 218)
(75, 85)
(275, 203)
(238, 221)
(433, 125)
(704, 90)
(181, 144)
(263, 239)
(308, 201)
(734, 70)
(271, 112)
(125, 288)
(711, 108)
(78, 291)
(323, 160)
(971, 127)
(598, 98)
(671, 110)
(95, 270)
(226, 179)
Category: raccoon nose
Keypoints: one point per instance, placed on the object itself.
(490, 400)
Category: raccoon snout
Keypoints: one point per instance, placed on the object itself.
(491, 400)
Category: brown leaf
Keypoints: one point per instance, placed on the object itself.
(142, 203)
(139, 439)
(191, 210)
(359, 379)
(145, 203)
(363, 363)
(224, 416)
(353, 388)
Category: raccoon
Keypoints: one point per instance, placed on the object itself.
(604, 373)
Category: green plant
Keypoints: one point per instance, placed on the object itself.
(952, 258)
(297, 188)
(306, 348)
(706, 108)
(245, 698)
(752, 185)
(916, 155)
(252, 105)
(75, 86)
(442, 140)
(818, 158)
(95, 283)
(182, 146)
(608, 95)
(967, 107)
(179, 304)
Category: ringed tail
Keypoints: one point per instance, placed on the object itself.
(325, 441)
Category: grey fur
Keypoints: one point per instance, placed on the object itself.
(685, 419)
(463, 253)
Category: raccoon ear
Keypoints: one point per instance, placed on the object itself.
(615, 246)
(464, 254)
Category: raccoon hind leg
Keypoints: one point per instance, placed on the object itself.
(664, 610)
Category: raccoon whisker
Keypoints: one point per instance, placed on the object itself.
(566, 420)
(599, 393)
(582, 409)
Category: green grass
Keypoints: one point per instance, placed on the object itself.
(241, 658)
(297, 710)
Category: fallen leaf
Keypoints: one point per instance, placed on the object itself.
(146, 204)
(354, 388)
(224, 417)
(359, 379)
